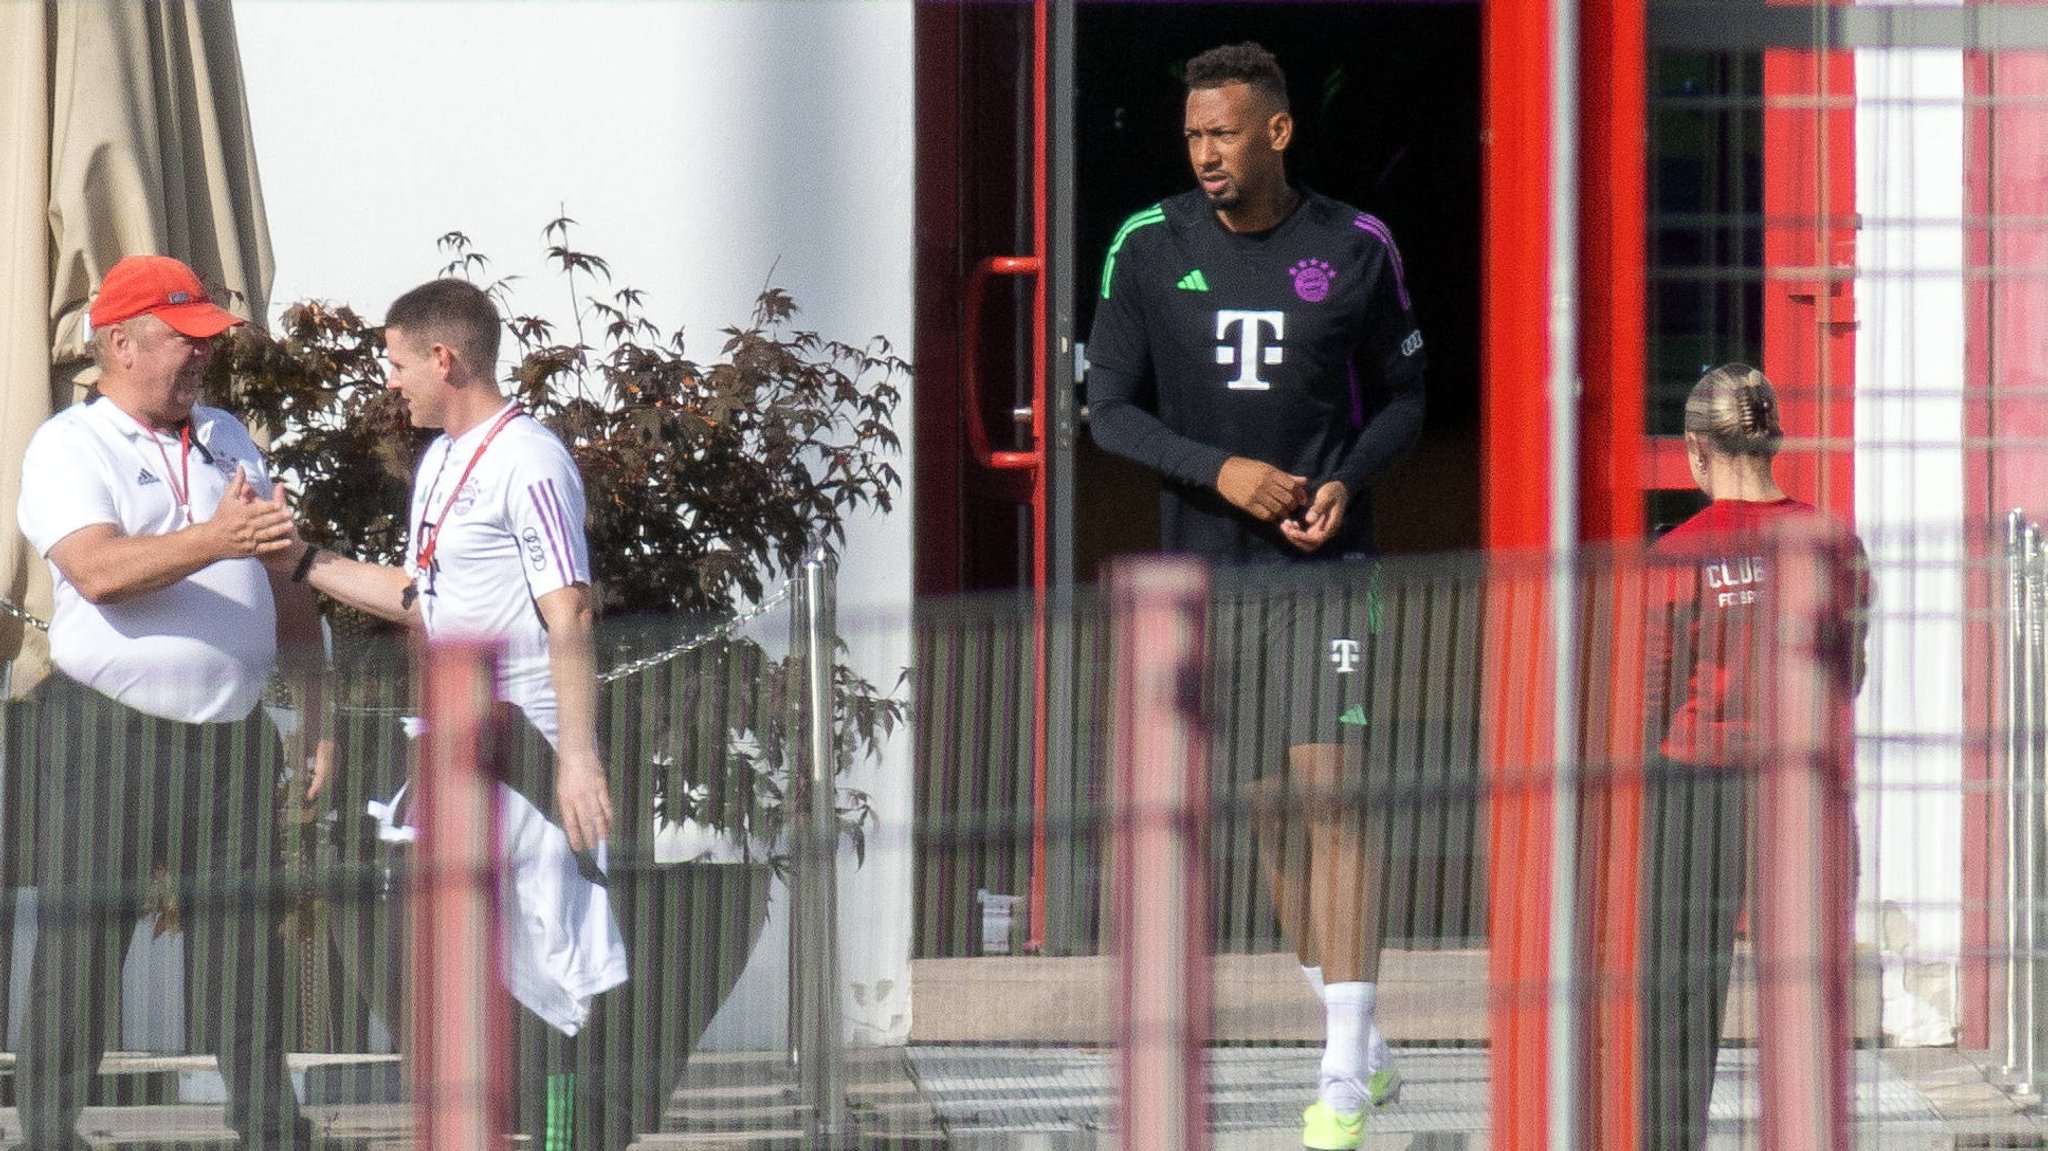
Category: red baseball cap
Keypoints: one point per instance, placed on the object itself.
(159, 284)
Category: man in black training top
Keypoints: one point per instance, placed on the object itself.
(1254, 345)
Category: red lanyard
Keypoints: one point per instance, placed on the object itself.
(425, 562)
(181, 488)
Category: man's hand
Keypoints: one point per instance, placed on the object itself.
(1261, 490)
(107, 567)
(246, 525)
(320, 768)
(1322, 519)
(285, 560)
(583, 795)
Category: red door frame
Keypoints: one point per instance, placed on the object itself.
(1516, 465)
(1515, 475)
(1810, 268)
(947, 336)
(2005, 462)
(1809, 316)
(1613, 354)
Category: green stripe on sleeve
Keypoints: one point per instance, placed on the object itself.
(1152, 215)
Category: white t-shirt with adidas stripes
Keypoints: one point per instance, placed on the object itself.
(512, 534)
(198, 651)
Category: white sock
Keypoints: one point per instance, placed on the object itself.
(1314, 975)
(1377, 1053)
(1347, 1018)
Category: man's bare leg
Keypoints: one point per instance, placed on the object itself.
(1343, 896)
(1341, 882)
(1282, 840)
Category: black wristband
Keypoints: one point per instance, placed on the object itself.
(305, 564)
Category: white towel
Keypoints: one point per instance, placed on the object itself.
(561, 941)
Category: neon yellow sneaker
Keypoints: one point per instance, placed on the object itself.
(1324, 1128)
(1384, 1086)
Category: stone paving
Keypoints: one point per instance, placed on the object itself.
(1059, 1099)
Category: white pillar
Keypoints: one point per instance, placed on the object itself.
(1910, 511)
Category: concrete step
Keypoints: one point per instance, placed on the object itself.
(742, 1101)
(1433, 998)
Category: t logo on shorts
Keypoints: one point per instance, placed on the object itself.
(1249, 349)
(1344, 654)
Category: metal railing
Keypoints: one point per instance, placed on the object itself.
(1180, 867)
(458, 1085)
(670, 720)
(2024, 1044)
(972, 731)
(814, 1017)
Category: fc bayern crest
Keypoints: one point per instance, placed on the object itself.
(1311, 280)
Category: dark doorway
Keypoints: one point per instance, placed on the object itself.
(1386, 105)
(1386, 99)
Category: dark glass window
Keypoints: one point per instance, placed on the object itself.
(1706, 222)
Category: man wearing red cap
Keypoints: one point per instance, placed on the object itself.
(155, 514)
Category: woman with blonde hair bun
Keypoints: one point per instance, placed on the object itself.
(1708, 633)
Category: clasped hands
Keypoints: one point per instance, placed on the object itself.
(1270, 495)
(262, 527)
(248, 525)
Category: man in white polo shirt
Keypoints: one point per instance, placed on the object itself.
(498, 551)
(156, 515)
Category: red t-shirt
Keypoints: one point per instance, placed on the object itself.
(1710, 602)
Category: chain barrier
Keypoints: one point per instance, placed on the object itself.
(723, 631)
(9, 607)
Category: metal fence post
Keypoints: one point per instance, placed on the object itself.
(2025, 831)
(460, 1015)
(2033, 822)
(814, 1023)
(2017, 567)
(1160, 768)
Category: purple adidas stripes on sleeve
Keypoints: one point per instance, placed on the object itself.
(1371, 224)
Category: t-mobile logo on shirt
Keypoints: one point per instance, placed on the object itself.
(1344, 654)
(1249, 348)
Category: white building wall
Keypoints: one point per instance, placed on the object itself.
(1910, 512)
(703, 146)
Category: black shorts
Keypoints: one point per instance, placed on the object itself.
(1291, 656)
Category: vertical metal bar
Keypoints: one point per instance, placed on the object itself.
(2018, 568)
(824, 1074)
(14, 828)
(2035, 791)
(2026, 828)
(1159, 757)
(1563, 1019)
(1802, 896)
(460, 1018)
(1041, 367)
(814, 1031)
(1063, 784)
(795, 738)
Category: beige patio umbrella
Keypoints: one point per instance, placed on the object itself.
(123, 130)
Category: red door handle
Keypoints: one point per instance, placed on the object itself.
(970, 376)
